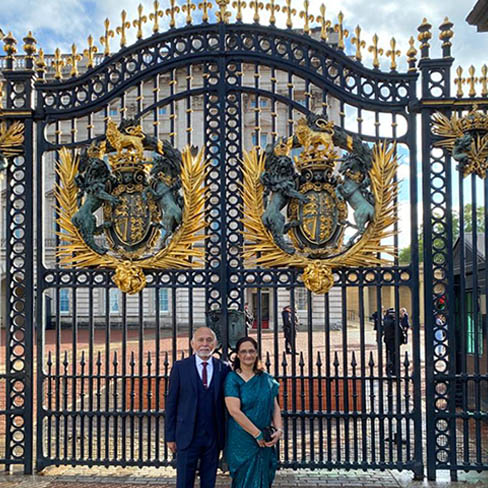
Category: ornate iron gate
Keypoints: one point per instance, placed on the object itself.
(103, 358)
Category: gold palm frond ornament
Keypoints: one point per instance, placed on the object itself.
(135, 213)
(263, 249)
(11, 140)
(465, 138)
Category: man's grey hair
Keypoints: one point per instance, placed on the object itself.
(203, 327)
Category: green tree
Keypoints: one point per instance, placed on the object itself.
(404, 255)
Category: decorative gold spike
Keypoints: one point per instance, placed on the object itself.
(105, 39)
(377, 52)
(239, 5)
(205, 6)
(342, 33)
(459, 82)
(471, 81)
(290, 12)
(306, 16)
(10, 45)
(393, 53)
(188, 8)
(154, 16)
(424, 37)
(273, 8)
(484, 81)
(122, 28)
(412, 55)
(141, 19)
(223, 14)
(90, 52)
(58, 63)
(171, 12)
(257, 6)
(29, 45)
(445, 36)
(41, 64)
(73, 60)
(325, 24)
(356, 40)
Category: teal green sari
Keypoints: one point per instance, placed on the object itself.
(251, 466)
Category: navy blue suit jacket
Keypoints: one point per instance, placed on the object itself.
(181, 401)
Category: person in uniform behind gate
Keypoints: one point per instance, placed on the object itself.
(393, 338)
(195, 419)
(405, 324)
(290, 322)
(249, 317)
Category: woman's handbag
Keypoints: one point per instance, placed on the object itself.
(268, 433)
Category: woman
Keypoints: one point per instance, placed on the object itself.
(251, 397)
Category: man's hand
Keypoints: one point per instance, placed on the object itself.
(172, 446)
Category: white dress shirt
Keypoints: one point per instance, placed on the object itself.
(199, 365)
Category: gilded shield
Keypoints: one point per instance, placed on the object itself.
(131, 225)
(319, 222)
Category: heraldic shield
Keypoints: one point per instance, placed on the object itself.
(152, 197)
(339, 208)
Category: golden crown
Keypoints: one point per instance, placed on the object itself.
(474, 120)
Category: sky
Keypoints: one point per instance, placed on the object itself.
(59, 23)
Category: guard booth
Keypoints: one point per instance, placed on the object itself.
(247, 154)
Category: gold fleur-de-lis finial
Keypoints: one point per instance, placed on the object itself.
(223, 14)
(239, 5)
(377, 52)
(122, 28)
(412, 55)
(341, 32)
(188, 8)
(304, 14)
(273, 8)
(141, 19)
(59, 63)
(171, 12)
(358, 42)
(105, 39)
(393, 53)
(257, 6)
(155, 15)
(290, 13)
(73, 59)
(90, 52)
(471, 81)
(41, 64)
(325, 24)
(459, 82)
(205, 6)
(484, 80)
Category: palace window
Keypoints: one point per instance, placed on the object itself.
(163, 300)
(64, 300)
(114, 301)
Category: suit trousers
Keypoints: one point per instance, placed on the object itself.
(203, 449)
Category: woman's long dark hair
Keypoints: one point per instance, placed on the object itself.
(258, 365)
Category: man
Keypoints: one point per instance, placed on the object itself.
(405, 324)
(290, 322)
(392, 336)
(248, 316)
(195, 419)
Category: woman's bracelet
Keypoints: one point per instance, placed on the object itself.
(259, 437)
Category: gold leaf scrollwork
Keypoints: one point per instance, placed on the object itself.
(181, 251)
(367, 251)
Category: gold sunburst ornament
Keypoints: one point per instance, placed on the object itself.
(143, 227)
(466, 139)
(318, 264)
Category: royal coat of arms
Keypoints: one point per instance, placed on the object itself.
(319, 210)
(131, 202)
